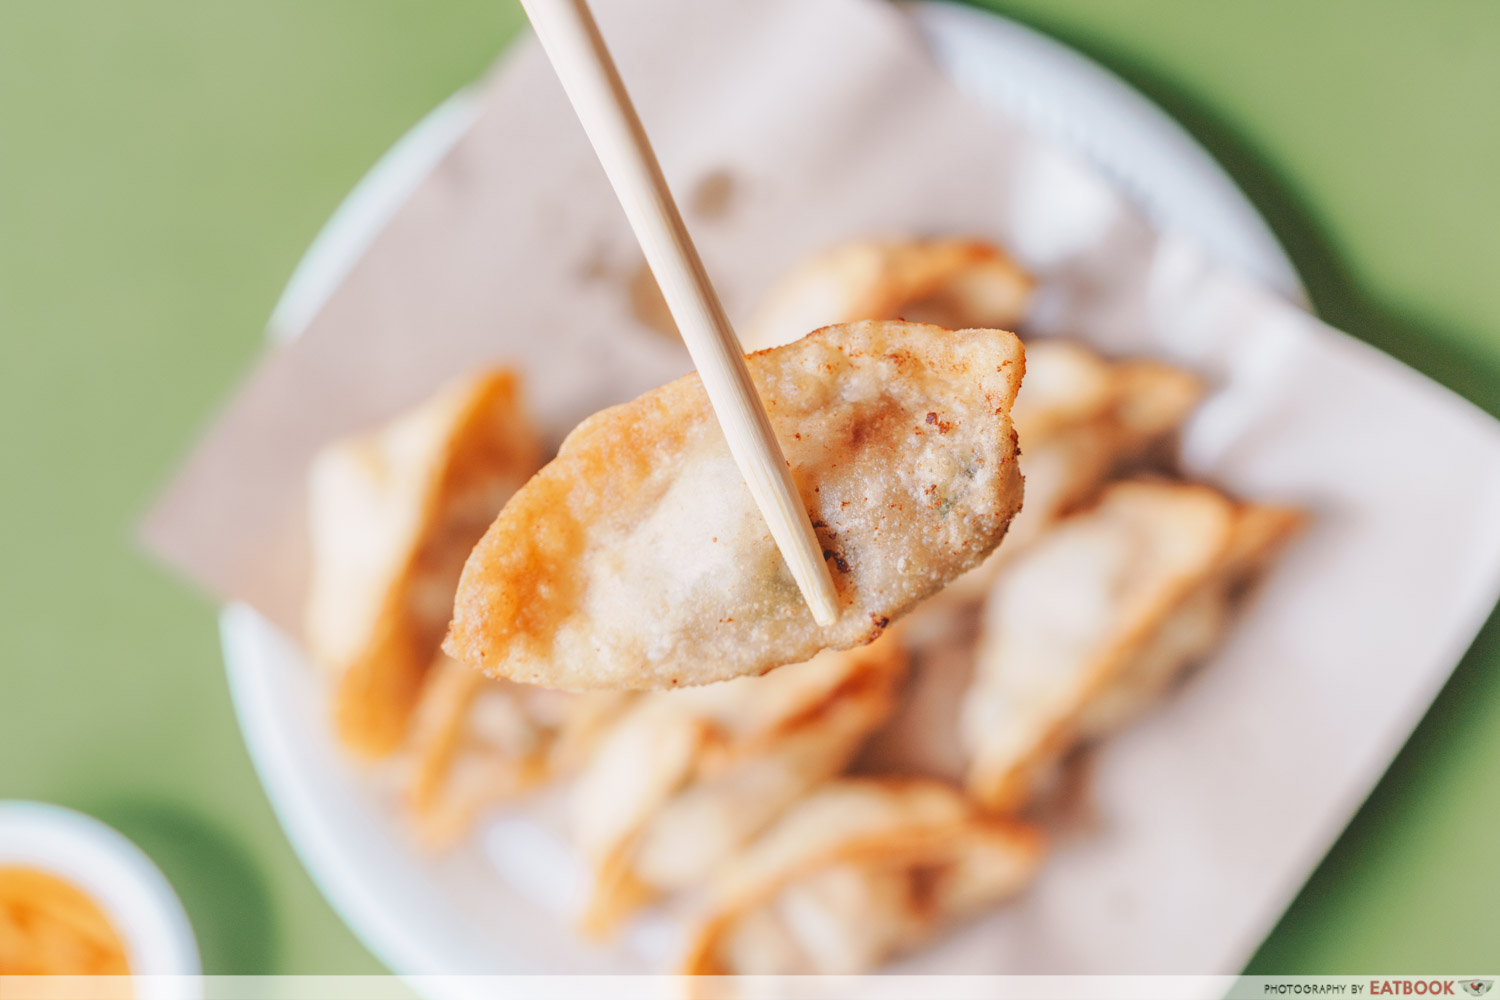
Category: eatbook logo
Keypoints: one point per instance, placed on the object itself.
(1478, 987)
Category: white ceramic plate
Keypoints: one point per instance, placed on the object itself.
(457, 915)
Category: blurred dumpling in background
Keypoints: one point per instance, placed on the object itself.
(1090, 624)
(860, 870)
(952, 283)
(475, 743)
(638, 559)
(1080, 419)
(685, 777)
(393, 514)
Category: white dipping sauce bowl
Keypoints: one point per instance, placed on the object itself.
(122, 881)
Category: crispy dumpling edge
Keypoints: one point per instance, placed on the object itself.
(539, 538)
(391, 643)
(917, 842)
(1257, 533)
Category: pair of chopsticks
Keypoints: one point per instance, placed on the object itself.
(571, 39)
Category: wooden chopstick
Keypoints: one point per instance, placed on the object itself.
(572, 42)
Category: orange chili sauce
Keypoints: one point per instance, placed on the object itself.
(50, 927)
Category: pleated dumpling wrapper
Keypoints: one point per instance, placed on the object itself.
(950, 282)
(1080, 420)
(1079, 417)
(953, 283)
(857, 872)
(475, 743)
(686, 777)
(637, 558)
(1089, 625)
(393, 514)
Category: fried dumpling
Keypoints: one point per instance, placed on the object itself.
(1079, 419)
(1088, 625)
(856, 872)
(475, 743)
(953, 283)
(686, 777)
(637, 558)
(393, 515)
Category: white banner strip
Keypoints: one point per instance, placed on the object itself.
(877, 987)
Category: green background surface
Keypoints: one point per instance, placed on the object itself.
(163, 164)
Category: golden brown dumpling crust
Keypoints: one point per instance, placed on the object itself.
(637, 558)
(954, 283)
(858, 871)
(686, 776)
(1080, 419)
(1087, 627)
(394, 514)
(474, 743)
